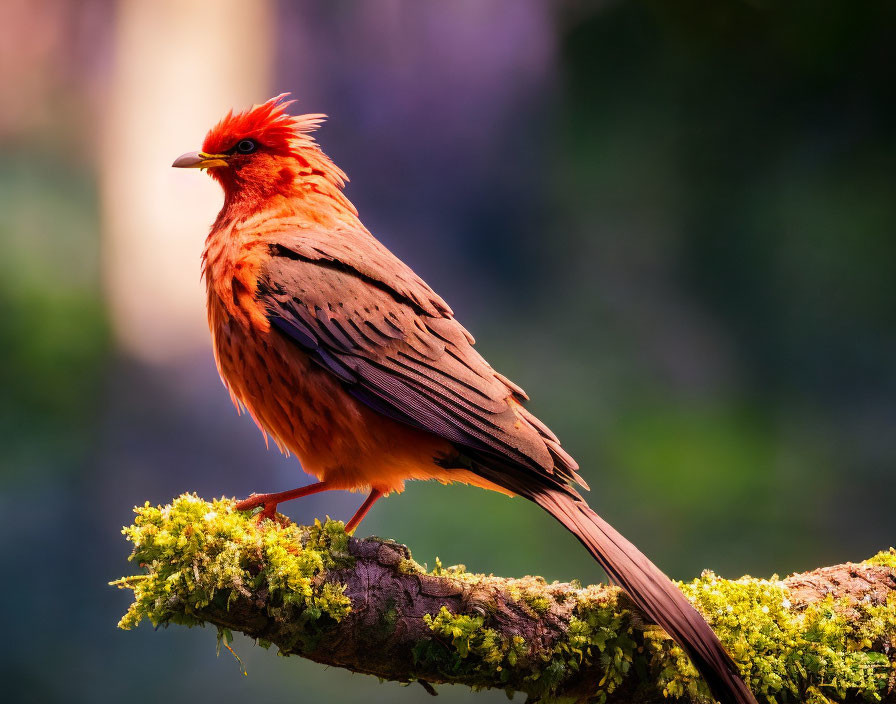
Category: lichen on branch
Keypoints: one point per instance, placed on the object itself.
(365, 605)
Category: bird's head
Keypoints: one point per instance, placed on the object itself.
(264, 151)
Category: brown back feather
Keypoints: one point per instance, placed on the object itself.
(366, 317)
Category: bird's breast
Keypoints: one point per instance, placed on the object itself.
(308, 413)
(286, 396)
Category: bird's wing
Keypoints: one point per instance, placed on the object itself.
(365, 317)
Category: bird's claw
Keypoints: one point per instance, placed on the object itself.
(255, 501)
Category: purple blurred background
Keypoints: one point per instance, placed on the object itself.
(672, 225)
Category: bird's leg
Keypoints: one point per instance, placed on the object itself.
(270, 501)
(361, 512)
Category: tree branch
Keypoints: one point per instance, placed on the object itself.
(365, 605)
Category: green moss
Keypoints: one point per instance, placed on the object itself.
(600, 630)
(389, 617)
(599, 633)
(480, 653)
(885, 558)
(539, 602)
(458, 572)
(532, 592)
(825, 653)
(411, 567)
(198, 554)
(831, 649)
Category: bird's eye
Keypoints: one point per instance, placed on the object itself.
(246, 146)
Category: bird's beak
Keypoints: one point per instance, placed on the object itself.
(199, 160)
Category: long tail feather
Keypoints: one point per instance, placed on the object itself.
(651, 590)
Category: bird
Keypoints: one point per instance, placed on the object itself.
(347, 359)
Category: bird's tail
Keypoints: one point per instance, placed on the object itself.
(651, 590)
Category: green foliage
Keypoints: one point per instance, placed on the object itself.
(196, 553)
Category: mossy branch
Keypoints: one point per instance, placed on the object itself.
(365, 605)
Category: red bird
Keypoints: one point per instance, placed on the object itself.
(349, 360)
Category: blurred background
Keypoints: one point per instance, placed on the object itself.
(672, 224)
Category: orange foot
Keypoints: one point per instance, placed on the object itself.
(269, 510)
(269, 501)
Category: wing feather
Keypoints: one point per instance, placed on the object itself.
(397, 348)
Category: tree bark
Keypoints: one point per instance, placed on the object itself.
(821, 636)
